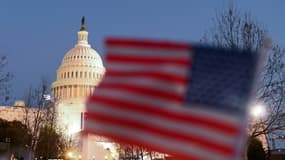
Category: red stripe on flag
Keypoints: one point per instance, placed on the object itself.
(167, 77)
(160, 111)
(143, 90)
(124, 140)
(191, 139)
(141, 59)
(113, 42)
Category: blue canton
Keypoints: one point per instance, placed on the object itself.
(220, 79)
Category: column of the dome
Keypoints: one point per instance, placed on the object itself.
(66, 91)
(59, 92)
(82, 90)
(55, 93)
(92, 89)
(63, 92)
(88, 90)
(78, 91)
(74, 91)
(69, 91)
(52, 92)
(85, 90)
(91, 92)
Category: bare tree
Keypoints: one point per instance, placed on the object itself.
(39, 111)
(134, 152)
(272, 93)
(5, 81)
(232, 29)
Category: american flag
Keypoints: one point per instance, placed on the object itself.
(185, 100)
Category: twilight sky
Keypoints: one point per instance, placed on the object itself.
(35, 35)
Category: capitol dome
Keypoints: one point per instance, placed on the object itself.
(80, 71)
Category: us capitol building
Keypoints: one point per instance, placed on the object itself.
(80, 71)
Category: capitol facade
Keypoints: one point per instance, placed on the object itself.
(80, 71)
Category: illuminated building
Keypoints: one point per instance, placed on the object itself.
(81, 70)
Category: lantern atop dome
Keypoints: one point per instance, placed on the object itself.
(82, 24)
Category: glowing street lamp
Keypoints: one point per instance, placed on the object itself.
(70, 154)
(258, 111)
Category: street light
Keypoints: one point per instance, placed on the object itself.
(257, 111)
(70, 154)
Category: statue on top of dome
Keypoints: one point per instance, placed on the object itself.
(82, 24)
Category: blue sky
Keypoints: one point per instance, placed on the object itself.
(35, 35)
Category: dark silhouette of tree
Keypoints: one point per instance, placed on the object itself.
(50, 143)
(15, 133)
(134, 152)
(232, 29)
(255, 150)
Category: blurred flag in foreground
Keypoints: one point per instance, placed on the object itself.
(185, 100)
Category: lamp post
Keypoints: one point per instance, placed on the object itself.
(258, 113)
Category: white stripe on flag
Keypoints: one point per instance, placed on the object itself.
(154, 84)
(165, 68)
(164, 123)
(176, 146)
(168, 105)
(148, 52)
